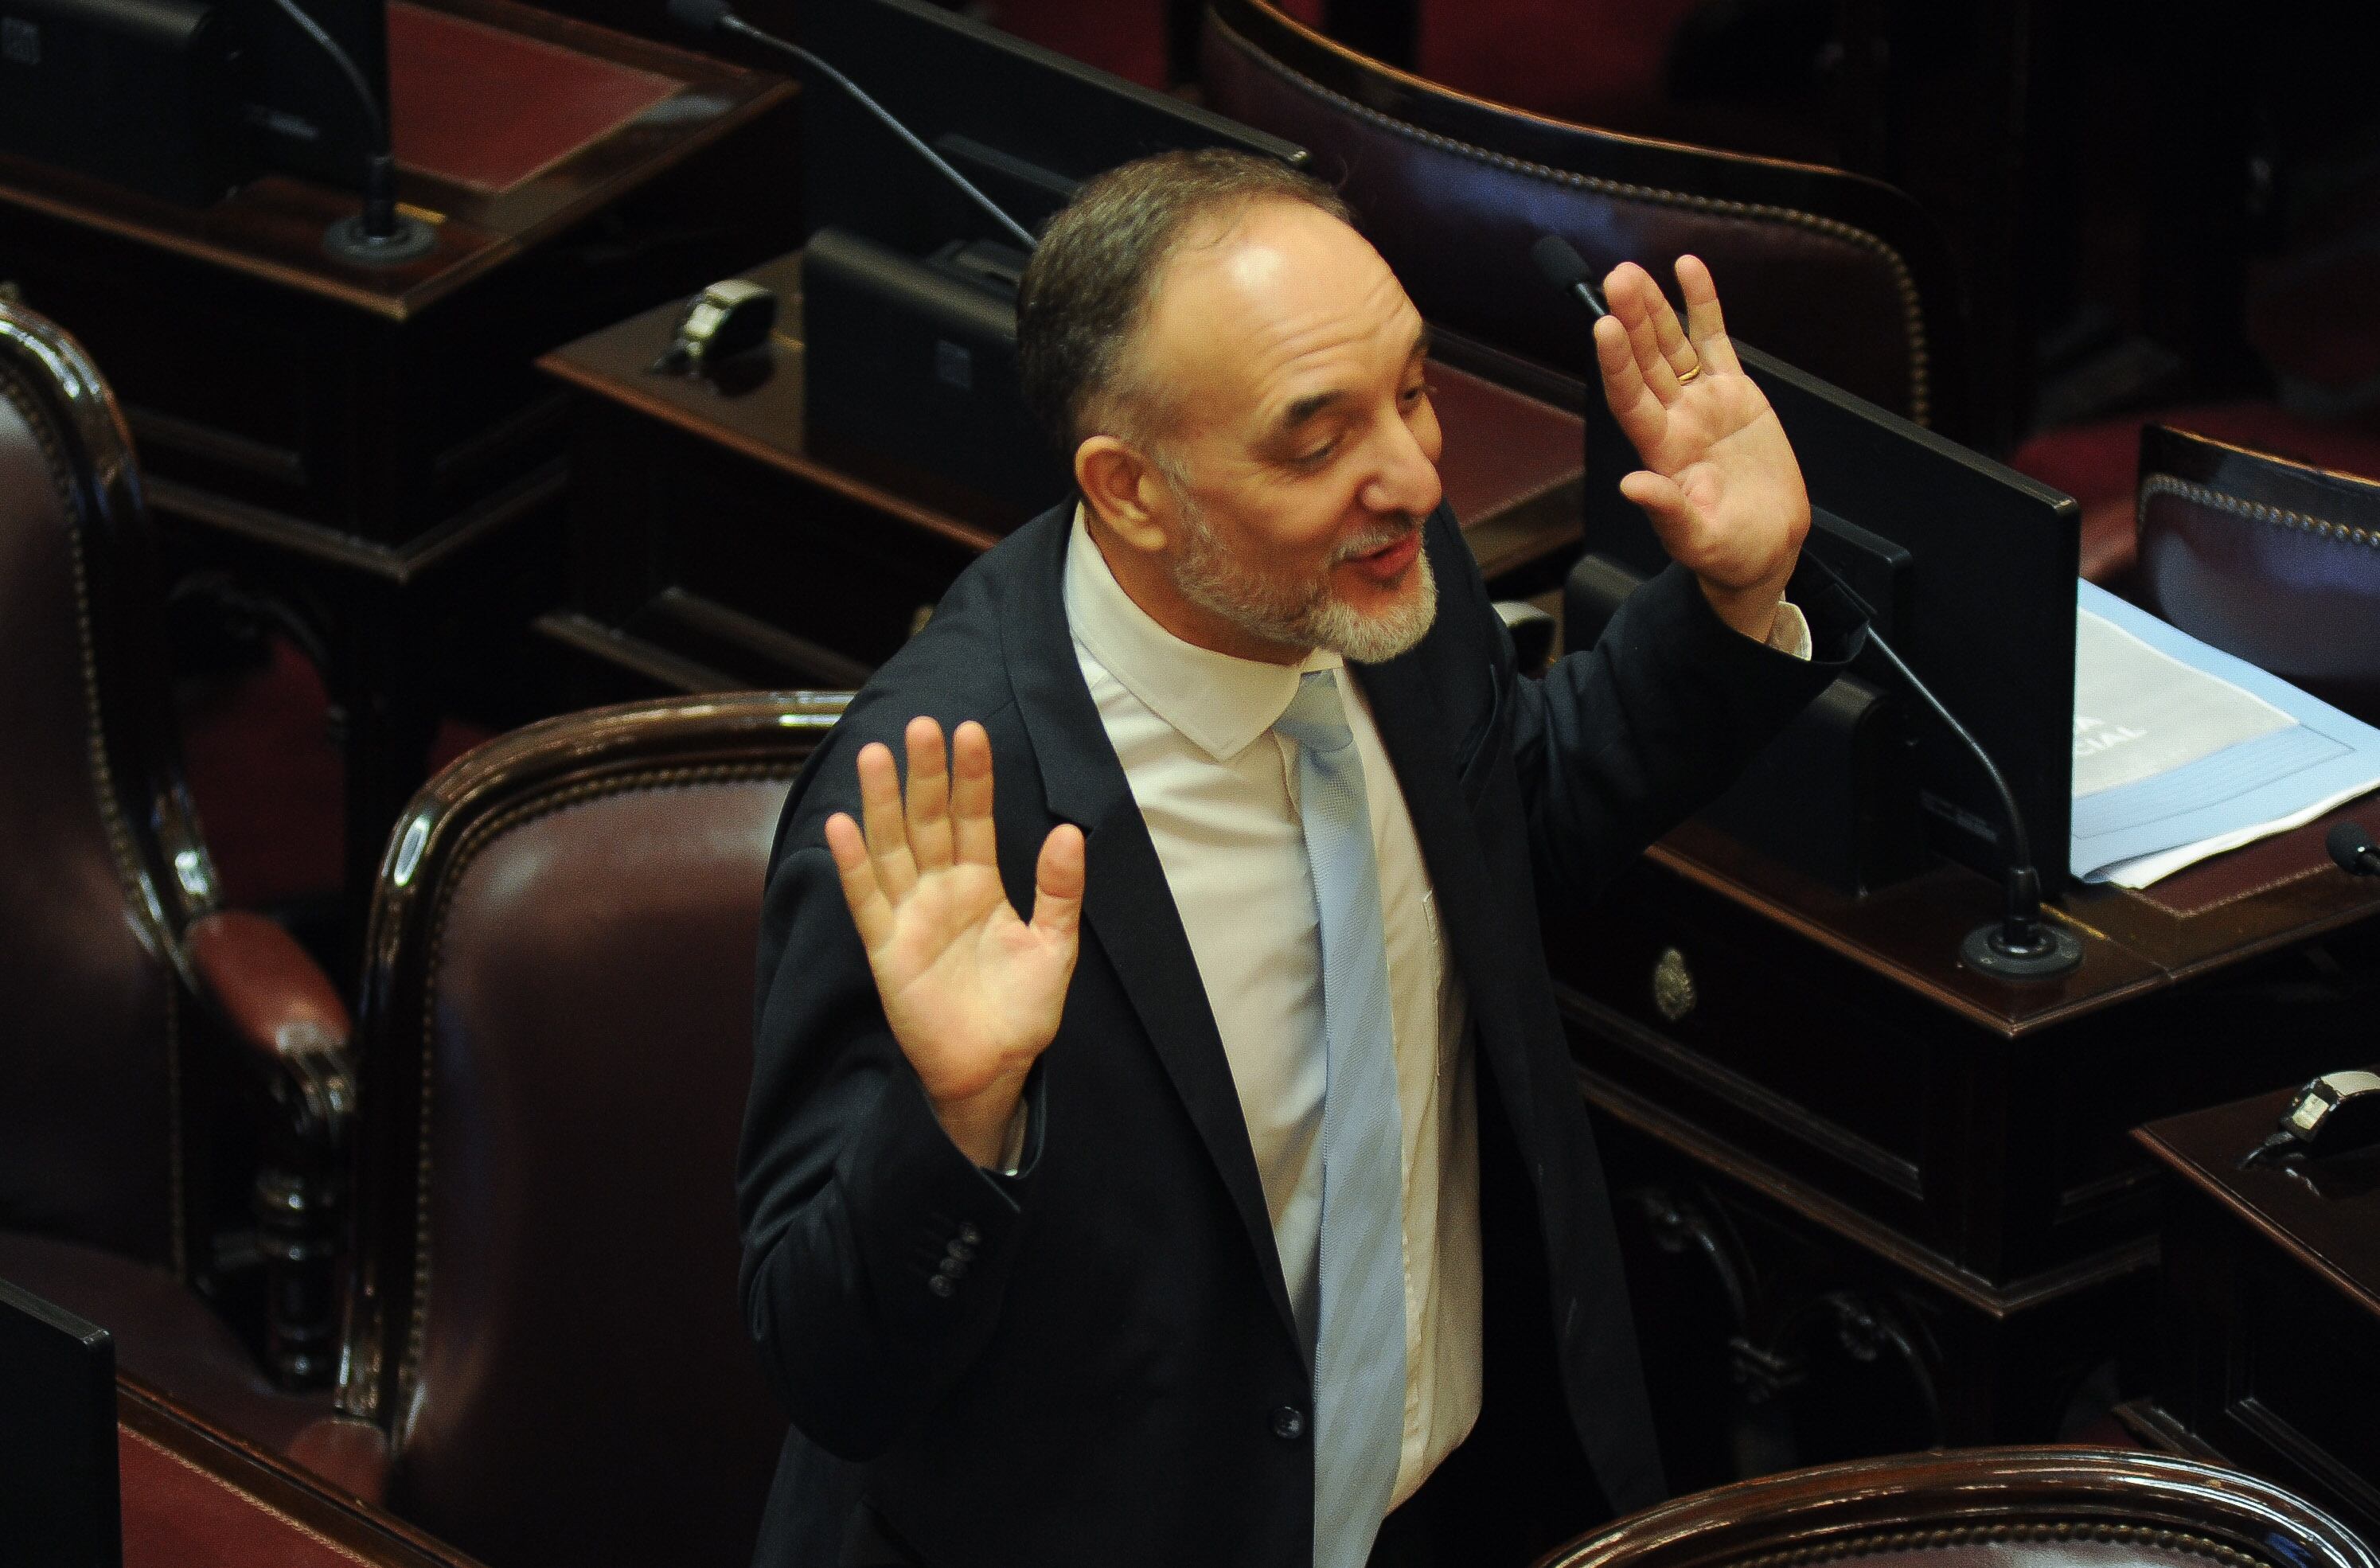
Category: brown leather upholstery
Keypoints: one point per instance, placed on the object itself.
(558, 1035)
(1833, 272)
(108, 1069)
(1983, 1508)
(2275, 560)
(87, 1145)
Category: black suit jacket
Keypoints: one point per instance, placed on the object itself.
(1109, 1373)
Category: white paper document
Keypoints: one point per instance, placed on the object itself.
(2182, 751)
(2139, 712)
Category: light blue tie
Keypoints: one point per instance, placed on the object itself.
(1359, 1356)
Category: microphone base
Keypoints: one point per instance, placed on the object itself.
(347, 241)
(1986, 952)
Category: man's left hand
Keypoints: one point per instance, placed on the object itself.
(1720, 481)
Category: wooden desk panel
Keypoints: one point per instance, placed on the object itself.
(1827, 1134)
(2269, 1305)
(197, 1497)
(367, 451)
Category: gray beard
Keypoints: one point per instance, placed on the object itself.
(1301, 614)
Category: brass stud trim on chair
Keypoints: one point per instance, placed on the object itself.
(1904, 284)
(474, 840)
(2251, 511)
(127, 860)
(2163, 1538)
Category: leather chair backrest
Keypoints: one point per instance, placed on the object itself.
(1984, 1508)
(1833, 272)
(90, 1150)
(563, 970)
(2274, 561)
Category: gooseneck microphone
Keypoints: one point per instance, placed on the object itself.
(1567, 270)
(2352, 848)
(708, 16)
(381, 236)
(2020, 946)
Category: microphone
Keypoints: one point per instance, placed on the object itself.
(709, 16)
(2020, 946)
(2352, 848)
(381, 236)
(1567, 270)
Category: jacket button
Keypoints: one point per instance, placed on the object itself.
(970, 1236)
(941, 1285)
(1288, 1423)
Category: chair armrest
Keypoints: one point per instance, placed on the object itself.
(351, 1454)
(281, 1007)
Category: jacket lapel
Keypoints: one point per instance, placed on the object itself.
(1405, 707)
(1127, 905)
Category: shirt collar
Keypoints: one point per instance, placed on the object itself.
(1221, 703)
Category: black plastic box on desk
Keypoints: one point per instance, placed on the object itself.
(137, 93)
(1835, 797)
(917, 361)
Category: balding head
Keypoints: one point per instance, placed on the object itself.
(1085, 293)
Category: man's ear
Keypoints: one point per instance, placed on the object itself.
(1124, 490)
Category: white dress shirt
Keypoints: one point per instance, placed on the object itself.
(1217, 790)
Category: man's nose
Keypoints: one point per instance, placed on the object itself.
(1405, 480)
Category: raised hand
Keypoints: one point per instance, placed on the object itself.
(973, 993)
(1720, 481)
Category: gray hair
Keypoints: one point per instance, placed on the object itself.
(1086, 289)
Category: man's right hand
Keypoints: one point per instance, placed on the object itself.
(972, 992)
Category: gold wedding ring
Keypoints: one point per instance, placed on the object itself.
(1685, 376)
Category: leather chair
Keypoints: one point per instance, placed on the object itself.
(1839, 275)
(544, 1362)
(2098, 465)
(2274, 561)
(148, 1036)
(1983, 1508)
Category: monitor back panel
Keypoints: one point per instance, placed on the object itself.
(1985, 609)
(58, 1496)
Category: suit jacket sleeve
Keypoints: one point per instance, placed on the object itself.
(875, 1252)
(1618, 744)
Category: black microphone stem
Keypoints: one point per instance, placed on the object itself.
(730, 22)
(380, 163)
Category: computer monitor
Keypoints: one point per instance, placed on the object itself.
(908, 288)
(1971, 566)
(59, 1501)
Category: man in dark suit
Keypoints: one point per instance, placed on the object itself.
(1115, 1185)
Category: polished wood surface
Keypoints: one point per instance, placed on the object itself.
(2269, 1303)
(716, 545)
(363, 458)
(195, 1496)
(271, 230)
(1875, 1199)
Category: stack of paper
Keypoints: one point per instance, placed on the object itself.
(2182, 751)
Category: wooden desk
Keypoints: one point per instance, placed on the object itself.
(2269, 1344)
(714, 547)
(1875, 1201)
(197, 1497)
(365, 452)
